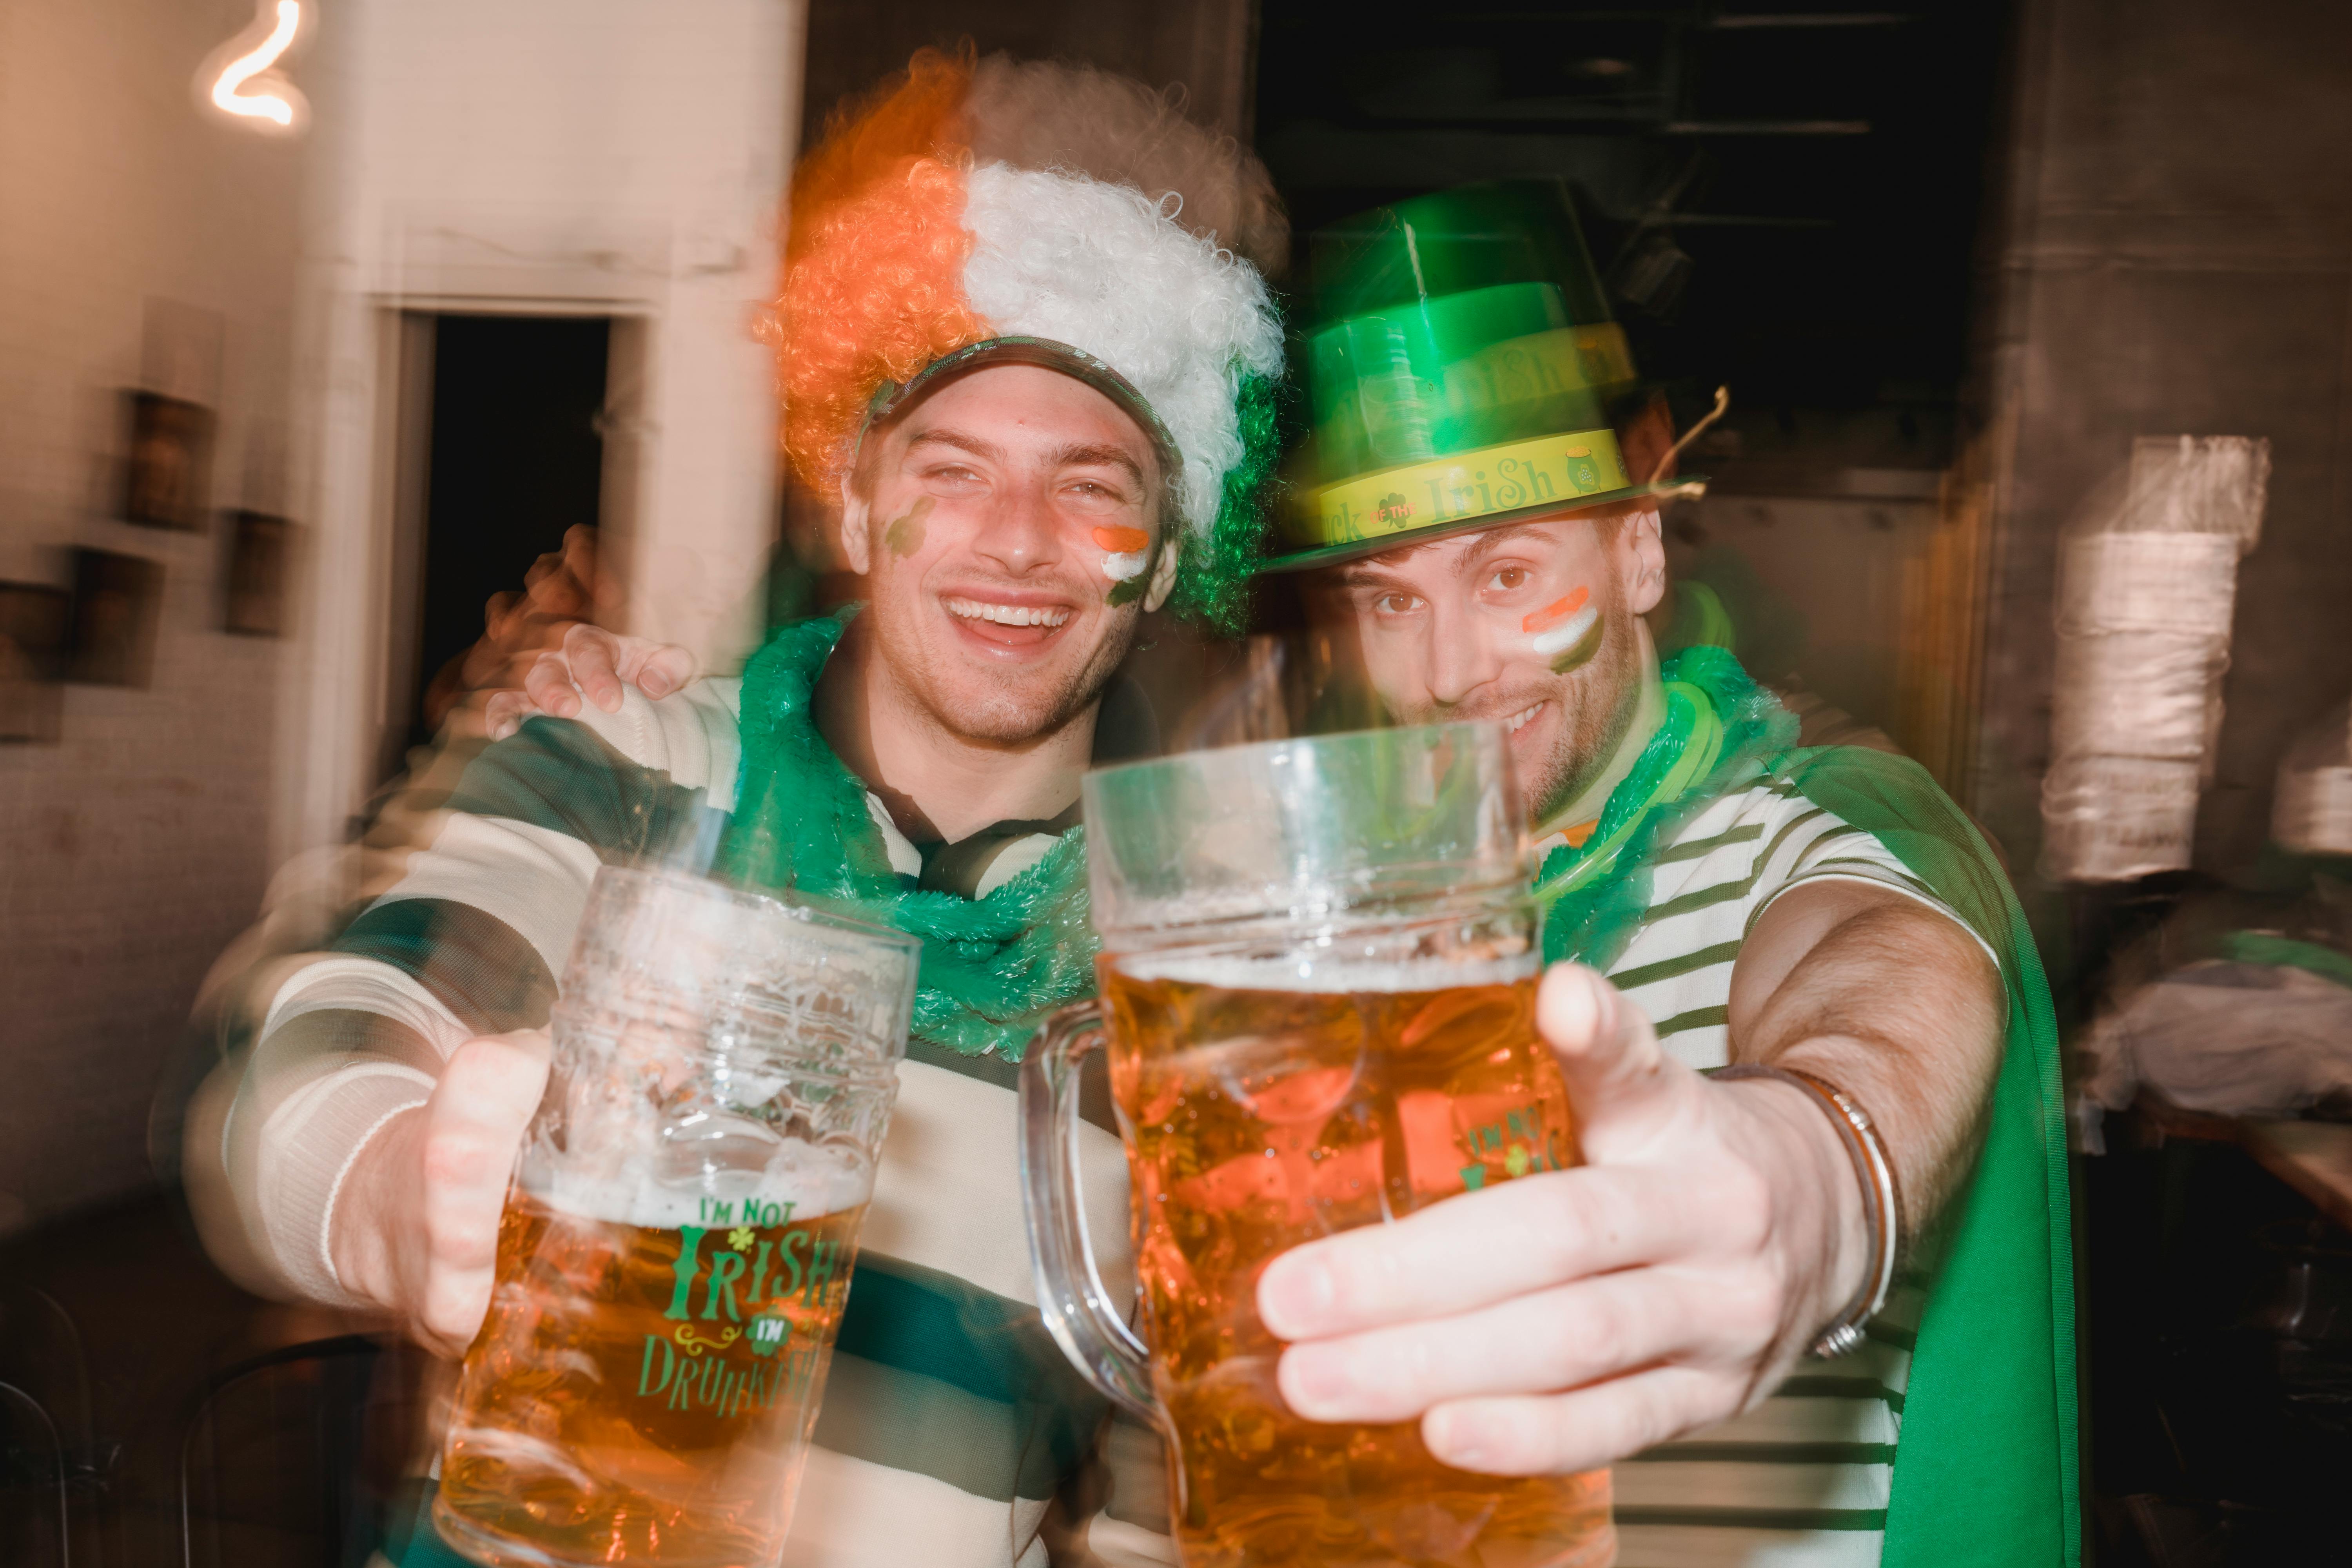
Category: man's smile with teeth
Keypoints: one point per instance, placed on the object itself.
(1520, 718)
(1008, 614)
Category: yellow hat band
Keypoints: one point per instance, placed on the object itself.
(1444, 491)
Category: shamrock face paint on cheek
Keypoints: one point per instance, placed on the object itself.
(1126, 552)
(904, 535)
(1566, 631)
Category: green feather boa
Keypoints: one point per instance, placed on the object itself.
(1719, 729)
(994, 967)
(991, 968)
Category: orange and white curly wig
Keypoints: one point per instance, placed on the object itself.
(917, 229)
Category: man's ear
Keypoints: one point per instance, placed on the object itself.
(1163, 571)
(1644, 560)
(857, 539)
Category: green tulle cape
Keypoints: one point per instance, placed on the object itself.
(1985, 1473)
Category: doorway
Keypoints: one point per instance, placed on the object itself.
(514, 456)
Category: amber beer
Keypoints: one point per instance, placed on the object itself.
(1258, 1117)
(644, 1387)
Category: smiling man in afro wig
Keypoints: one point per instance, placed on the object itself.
(1018, 336)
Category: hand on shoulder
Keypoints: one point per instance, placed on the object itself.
(593, 663)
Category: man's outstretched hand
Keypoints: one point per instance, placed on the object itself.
(1561, 1322)
(416, 1223)
(594, 663)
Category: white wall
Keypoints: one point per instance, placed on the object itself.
(622, 157)
(609, 156)
(131, 852)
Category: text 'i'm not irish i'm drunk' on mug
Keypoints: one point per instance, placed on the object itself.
(676, 1250)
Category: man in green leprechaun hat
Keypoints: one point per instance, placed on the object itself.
(1826, 1203)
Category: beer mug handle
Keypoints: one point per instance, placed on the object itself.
(1079, 1311)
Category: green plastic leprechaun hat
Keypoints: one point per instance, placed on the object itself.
(1462, 370)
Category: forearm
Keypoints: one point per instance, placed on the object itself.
(1897, 1006)
(316, 1094)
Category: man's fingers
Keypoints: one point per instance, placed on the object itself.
(656, 668)
(1561, 1434)
(1478, 1248)
(548, 683)
(498, 612)
(1624, 1087)
(595, 655)
(461, 1232)
(456, 1303)
(505, 712)
(474, 1125)
(1560, 1338)
(580, 554)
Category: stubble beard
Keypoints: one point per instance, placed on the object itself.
(1597, 704)
(1005, 707)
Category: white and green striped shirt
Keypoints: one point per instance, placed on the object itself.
(951, 1420)
(1803, 1478)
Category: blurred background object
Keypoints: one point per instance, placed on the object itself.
(2147, 583)
(253, 601)
(2311, 810)
(167, 475)
(300, 436)
(118, 602)
(35, 619)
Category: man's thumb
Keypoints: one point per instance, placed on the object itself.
(1608, 1053)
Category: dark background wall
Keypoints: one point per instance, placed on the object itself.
(1204, 47)
(1784, 201)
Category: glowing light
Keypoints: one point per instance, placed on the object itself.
(271, 106)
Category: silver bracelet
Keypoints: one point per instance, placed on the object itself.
(1882, 1211)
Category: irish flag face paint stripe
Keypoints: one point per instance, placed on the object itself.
(1566, 635)
(1551, 614)
(1560, 624)
(1125, 552)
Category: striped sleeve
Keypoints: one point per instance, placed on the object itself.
(1714, 879)
(1812, 844)
(470, 941)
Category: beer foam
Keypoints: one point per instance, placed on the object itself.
(1335, 974)
(814, 1179)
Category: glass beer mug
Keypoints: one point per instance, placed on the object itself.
(1318, 984)
(677, 1245)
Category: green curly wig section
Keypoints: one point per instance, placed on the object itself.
(1212, 581)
